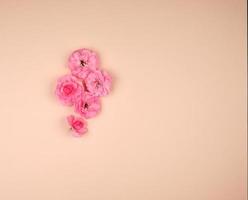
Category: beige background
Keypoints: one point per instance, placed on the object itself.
(174, 127)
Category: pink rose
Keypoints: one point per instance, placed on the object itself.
(88, 106)
(68, 89)
(78, 125)
(98, 83)
(81, 60)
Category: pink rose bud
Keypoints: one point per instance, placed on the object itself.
(68, 89)
(78, 125)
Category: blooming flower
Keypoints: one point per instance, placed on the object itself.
(81, 61)
(83, 88)
(88, 106)
(98, 83)
(78, 125)
(68, 89)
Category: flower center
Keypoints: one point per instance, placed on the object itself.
(97, 84)
(82, 63)
(86, 106)
(68, 89)
(77, 125)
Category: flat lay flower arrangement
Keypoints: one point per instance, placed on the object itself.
(82, 88)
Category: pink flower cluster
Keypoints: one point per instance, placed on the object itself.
(83, 88)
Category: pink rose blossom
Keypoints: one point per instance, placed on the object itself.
(68, 89)
(81, 60)
(98, 83)
(88, 106)
(78, 125)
